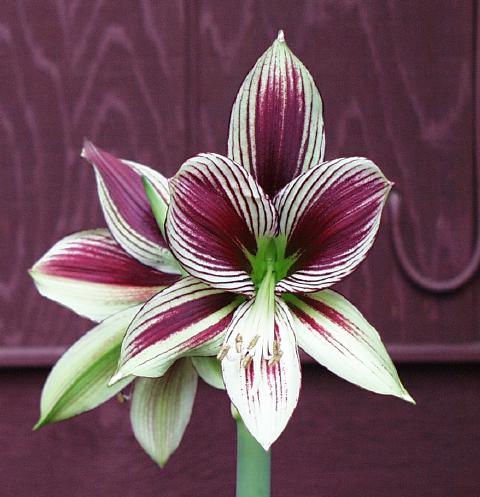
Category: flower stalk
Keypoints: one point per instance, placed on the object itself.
(253, 465)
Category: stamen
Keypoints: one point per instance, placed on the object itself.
(275, 359)
(253, 342)
(246, 361)
(238, 343)
(223, 352)
(277, 354)
(122, 398)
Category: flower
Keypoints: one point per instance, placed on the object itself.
(107, 275)
(263, 234)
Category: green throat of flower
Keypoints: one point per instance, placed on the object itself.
(269, 264)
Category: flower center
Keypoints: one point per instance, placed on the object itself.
(270, 256)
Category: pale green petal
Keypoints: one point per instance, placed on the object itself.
(210, 370)
(158, 204)
(161, 409)
(331, 330)
(79, 380)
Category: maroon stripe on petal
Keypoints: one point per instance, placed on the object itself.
(276, 125)
(97, 258)
(183, 316)
(217, 212)
(188, 317)
(330, 216)
(123, 184)
(280, 112)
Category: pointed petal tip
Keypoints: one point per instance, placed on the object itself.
(87, 147)
(41, 422)
(119, 375)
(407, 397)
(266, 445)
(281, 36)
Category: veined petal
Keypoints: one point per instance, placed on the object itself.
(188, 318)
(92, 275)
(331, 330)
(217, 211)
(126, 207)
(79, 380)
(330, 216)
(263, 384)
(276, 126)
(210, 370)
(161, 409)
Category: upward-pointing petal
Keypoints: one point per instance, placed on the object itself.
(126, 207)
(276, 125)
(217, 212)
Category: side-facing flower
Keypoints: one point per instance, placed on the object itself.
(266, 232)
(107, 275)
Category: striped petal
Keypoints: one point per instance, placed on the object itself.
(276, 126)
(188, 318)
(263, 386)
(217, 212)
(330, 216)
(126, 207)
(331, 330)
(79, 380)
(161, 410)
(92, 275)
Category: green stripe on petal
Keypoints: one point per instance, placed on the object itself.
(210, 370)
(158, 204)
(161, 410)
(331, 330)
(79, 380)
(126, 207)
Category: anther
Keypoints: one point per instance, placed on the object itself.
(277, 354)
(275, 359)
(253, 342)
(223, 352)
(246, 361)
(122, 398)
(238, 343)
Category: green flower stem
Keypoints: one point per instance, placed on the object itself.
(253, 465)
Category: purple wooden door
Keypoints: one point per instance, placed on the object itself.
(154, 81)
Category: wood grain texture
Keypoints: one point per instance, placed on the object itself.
(110, 71)
(155, 81)
(341, 441)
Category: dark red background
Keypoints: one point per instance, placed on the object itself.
(154, 81)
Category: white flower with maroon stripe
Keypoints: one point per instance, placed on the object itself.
(107, 275)
(267, 231)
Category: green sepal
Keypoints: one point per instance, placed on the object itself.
(79, 380)
(157, 203)
(210, 370)
(161, 409)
